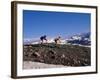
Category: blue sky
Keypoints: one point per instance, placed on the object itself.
(52, 24)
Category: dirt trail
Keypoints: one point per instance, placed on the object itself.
(38, 65)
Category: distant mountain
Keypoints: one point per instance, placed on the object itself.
(82, 39)
(31, 41)
(78, 39)
(37, 41)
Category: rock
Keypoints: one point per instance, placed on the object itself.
(63, 56)
(67, 55)
(36, 54)
(51, 52)
(52, 57)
